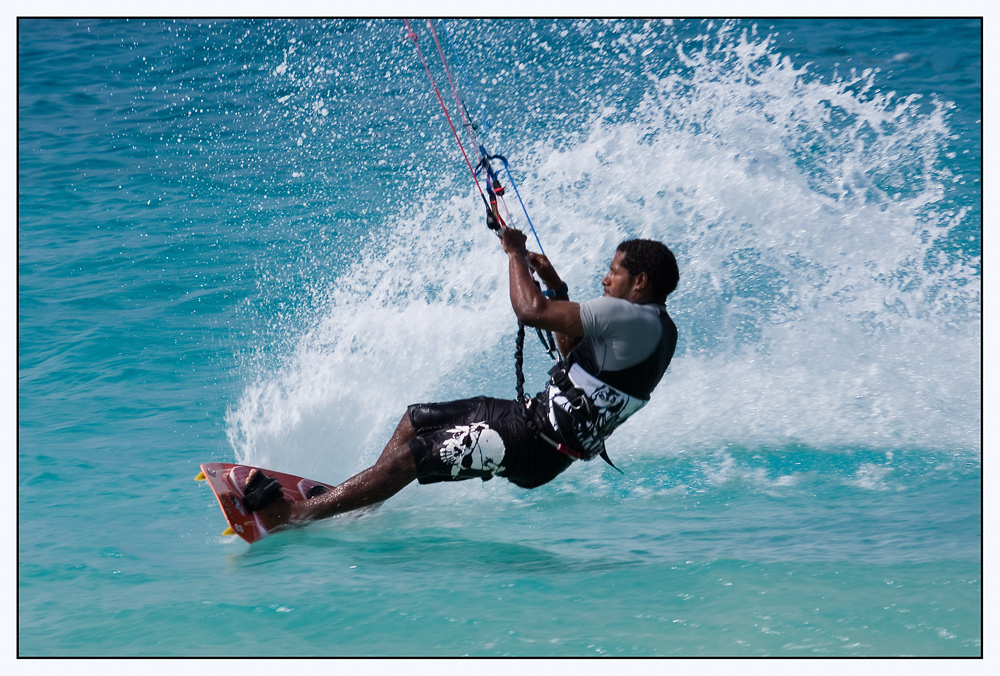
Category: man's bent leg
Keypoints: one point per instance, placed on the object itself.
(394, 470)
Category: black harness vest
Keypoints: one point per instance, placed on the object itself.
(583, 424)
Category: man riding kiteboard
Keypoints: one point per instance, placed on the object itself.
(615, 349)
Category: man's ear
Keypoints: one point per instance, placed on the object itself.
(641, 282)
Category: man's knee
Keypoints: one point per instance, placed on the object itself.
(406, 425)
(399, 459)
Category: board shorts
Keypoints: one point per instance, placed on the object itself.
(481, 438)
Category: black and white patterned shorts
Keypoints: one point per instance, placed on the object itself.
(482, 438)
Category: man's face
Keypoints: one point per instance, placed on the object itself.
(618, 282)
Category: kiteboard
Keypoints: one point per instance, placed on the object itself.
(227, 481)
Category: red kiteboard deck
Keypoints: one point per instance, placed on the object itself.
(227, 481)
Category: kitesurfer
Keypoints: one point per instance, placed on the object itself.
(615, 350)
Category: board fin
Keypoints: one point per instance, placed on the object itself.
(229, 531)
(200, 477)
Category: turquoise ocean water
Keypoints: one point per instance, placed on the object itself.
(256, 241)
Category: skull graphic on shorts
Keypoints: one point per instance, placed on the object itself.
(473, 447)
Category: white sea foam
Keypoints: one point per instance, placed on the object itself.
(816, 304)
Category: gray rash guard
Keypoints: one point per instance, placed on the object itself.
(620, 334)
(625, 350)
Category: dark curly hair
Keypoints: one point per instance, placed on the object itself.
(656, 260)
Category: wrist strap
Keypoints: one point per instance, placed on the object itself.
(561, 291)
